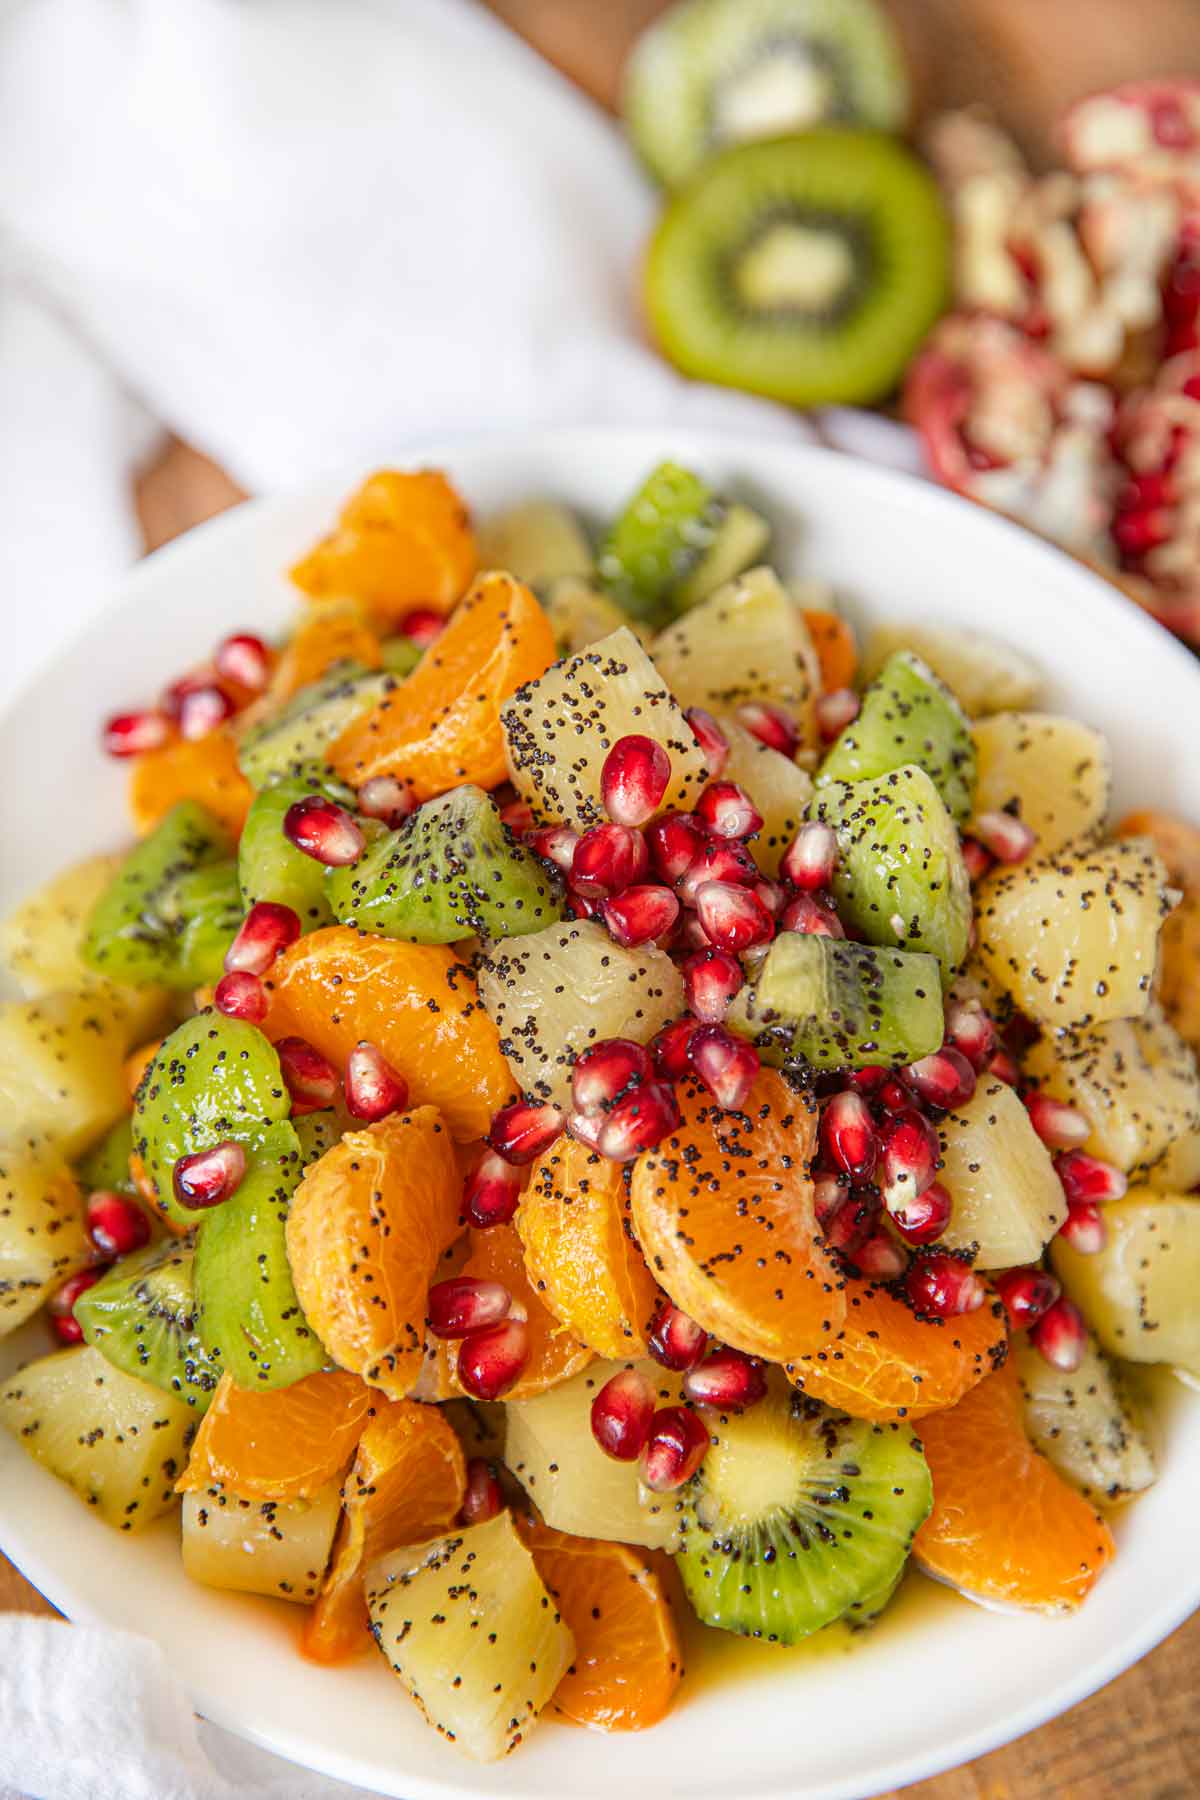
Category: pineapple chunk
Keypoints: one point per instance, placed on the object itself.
(1084, 1423)
(120, 1443)
(984, 675)
(468, 1627)
(274, 1547)
(538, 542)
(1074, 938)
(1008, 1200)
(61, 1074)
(1055, 774)
(580, 615)
(748, 641)
(559, 729)
(1136, 1083)
(556, 991)
(779, 788)
(43, 1237)
(1139, 1292)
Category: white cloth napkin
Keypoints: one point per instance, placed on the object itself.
(302, 235)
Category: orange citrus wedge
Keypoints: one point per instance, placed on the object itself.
(202, 769)
(833, 640)
(403, 540)
(555, 1354)
(329, 634)
(285, 1444)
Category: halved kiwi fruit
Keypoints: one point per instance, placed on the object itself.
(141, 1316)
(806, 268)
(712, 73)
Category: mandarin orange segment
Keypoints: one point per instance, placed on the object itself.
(286, 1444)
(723, 1210)
(441, 727)
(202, 769)
(365, 1230)
(331, 633)
(555, 1354)
(628, 1661)
(406, 1484)
(403, 540)
(886, 1363)
(1005, 1527)
(1178, 843)
(416, 1002)
(833, 640)
(580, 1252)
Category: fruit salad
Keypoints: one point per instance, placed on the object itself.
(596, 1097)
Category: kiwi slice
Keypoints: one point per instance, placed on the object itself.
(152, 923)
(900, 877)
(716, 72)
(540, 542)
(203, 910)
(141, 1316)
(797, 1515)
(269, 865)
(453, 868)
(106, 1165)
(318, 1132)
(311, 720)
(808, 269)
(908, 716)
(676, 542)
(830, 1004)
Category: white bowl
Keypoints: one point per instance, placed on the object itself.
(939, 1681)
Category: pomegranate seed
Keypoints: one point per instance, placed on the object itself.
(943, 1286)
(925, 1217)
(811, 858)
(132, 734)
(1010, 840)
(116, 1224)
(202, 709)
(388, 798)
(771, 895)
(670, 1047)
(677, 1445)
(1059, 1126)
(603, 1074)
(422, 625)
(174, 696)
(209, 1177)
(492, 1191)
(713, 743)
(728, 1378)
(892, 1096)
(812, 916)
(580, 907)
(325, 831)
(880, 1258)
(771, 726)
(867, 1080)
(711, 978)
(977, 859)
(1085, 1227)
(1027, 1294)
(734, 917)
(640, 914)
(463, 1304)
(310, 1079)
(718, 859)
(847, 1216)
(373, 1088)
(725, 1064)
(586, 1129)
(241, 995)
(849, 1136)
(491, 1360)
(675, 841)
(638, 1122)
(520, 1132)
(67, 1330)
(944, 1079)
(835, 710)
(674, 1339)
(1138, 532)
(264, 933)
(555, 844)
(970, 1030)
(1004, 1068)
(691, 934)
(909, 1152)
(728, 810)
(517, 817)
(634, 780)
(1060, 1335)
(243, 658)
(621, 1415)
(483, 1498)
(1085, 1177)
(608, 858)
(61, 1304)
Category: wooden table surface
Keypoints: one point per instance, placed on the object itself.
(1139, 1739)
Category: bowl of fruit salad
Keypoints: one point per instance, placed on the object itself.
(601, 1123)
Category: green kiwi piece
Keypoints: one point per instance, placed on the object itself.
(808, 269)
(213, 1078)
(453, 868)
(740, 539)
(540, 542)
(900, 879)
(319, 1132)
(711, 73)
(908, 716)
(137, 929)
(798, 1515)
(106, 1165)
(400, 655)
(249, 1317)
(141, 1316)
(830, 1004)
(675, 542)
(203, 910)
(311, 720)
(270, 867)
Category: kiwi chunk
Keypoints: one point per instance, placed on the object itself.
(900, 877)
(808, 269)
(908, 716)
(830, 1004)
(203, 910)
(676, 542)
(270, 867)
(453, 868)
(106, 1165)
(318, 1132)
(141, 1316)
(311, 720)
(797, 1515)
(153, 922)
(716, 72)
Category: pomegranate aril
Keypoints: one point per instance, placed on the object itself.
(202, 709)
(977, 858)
(621, 1415)
(634, 779)
(608, 858)
(811, 857)
(1059, 1126)
(880, 1258)
(1085, 1177)
(243, 658)
(849, 1136)
(264, 933)
(241, 995)
(638, 1122)
(521, 1132)
(603, 1073)
(580, 907)
(835, 710)
(325, 831)
(944, 1079)
(1085, 1228)
(483, 1498)
(892, 1096)
(1138, 532)
(61, 1304)
(728, 810)
(209, 1177)
(727, 1065)
(1026, 1294)
(518, 817)
(1004, 1067)
(944, 1287)
(771, 895)
(555, 844)
(388, 798)
(677, 1445)
(116, 1224)
(674, 842)
(908, 1157)
(734, 917)
(640, 914)
(728, 1379)
(811, 916)
(133, 733)
(310, 1078)
(848, 1219)
(1060, 1335)
(670, 1047)
(585, 1128)
(422, 625)
(67, 1330)
(867, 1080)
(969, 1029)
(462, 1305)
(492, 1191)
(1008, 839)
(674, 1339)
(771, 726)
(711, 978)
(718, 859)
(691, 935)
(925, 1217)
(491, 1360)
(373, 1088)
(714, 745)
